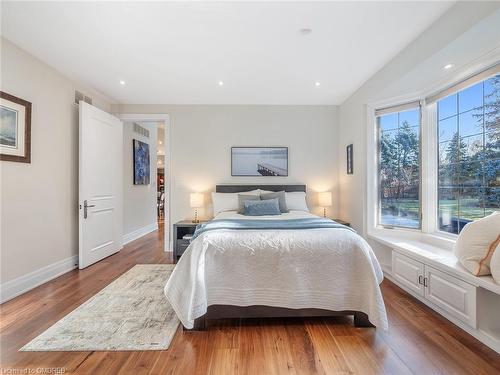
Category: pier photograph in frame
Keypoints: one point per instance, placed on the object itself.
(259, 161)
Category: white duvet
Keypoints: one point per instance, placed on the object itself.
(332, 269)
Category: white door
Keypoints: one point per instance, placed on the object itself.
(100, 180)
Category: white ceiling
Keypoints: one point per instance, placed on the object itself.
(176, 53)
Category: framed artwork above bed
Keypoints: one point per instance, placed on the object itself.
(259, 161)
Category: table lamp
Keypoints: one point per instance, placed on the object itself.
(325, 200)
(196, 201)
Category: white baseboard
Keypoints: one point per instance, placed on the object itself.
(129, 237)
(22, 284)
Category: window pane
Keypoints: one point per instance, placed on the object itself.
(471, 97)
(471, 174)
(492, 173)
(449, 151)
(491, 95)
(491, 200)
(473, 147)
(469, 160)
(448, 177)
(399, 162)
(470, 205)
(448, 128)
(492, 123)
(492, 145)
(447, 107)
(410, 117)
(388, 122)
(471, 122)
(448, 209)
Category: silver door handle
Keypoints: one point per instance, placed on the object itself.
(420, 277)
(85, 206)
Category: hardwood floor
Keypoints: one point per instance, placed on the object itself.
(419, 341)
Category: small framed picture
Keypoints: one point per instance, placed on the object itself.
(15, 129)
(141, 162)
(349, 159)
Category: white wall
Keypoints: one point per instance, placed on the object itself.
(418, 68)
(139, 201)
(39, 212)
(202, 136)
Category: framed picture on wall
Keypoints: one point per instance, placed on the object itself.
(15, 129)
(349, 159)
(141, 163)
(259, 161)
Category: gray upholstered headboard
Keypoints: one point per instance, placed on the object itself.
(240, 188)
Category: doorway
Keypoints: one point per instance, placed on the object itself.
(146, 195)
(160, 174)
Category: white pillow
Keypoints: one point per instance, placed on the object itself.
(296, 201)
(265, 191)
(228, 201)
(252, 192)
(495, 265)
(476, 243)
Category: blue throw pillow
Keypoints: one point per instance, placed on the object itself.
(259, 208)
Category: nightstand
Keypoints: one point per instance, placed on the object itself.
(182, 228)
(342, 222)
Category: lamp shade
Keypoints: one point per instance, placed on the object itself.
(325, 199)
(196, 200)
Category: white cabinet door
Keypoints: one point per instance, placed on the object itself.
(408, 272)
(453, 295)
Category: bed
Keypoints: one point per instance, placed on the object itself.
(270, 267)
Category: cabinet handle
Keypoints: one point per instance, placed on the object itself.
(420, 279)
(426, 282)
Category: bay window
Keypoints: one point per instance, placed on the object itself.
(438, 164)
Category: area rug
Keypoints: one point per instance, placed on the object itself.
(131, 313)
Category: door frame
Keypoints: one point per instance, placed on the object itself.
(168, 165)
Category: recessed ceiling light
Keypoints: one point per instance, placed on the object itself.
(122, 82)
(448, 66)
(305, 31)
(160, 142)
(221, 83)
(317, 84)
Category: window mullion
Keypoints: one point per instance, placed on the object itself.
(429, 170)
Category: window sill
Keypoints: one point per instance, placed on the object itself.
(434, 241)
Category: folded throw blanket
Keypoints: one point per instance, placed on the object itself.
(237, 224)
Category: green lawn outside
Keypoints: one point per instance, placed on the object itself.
(469, 208)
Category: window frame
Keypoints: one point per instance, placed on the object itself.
(429, 163)
(391, 110)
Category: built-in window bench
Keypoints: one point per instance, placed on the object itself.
(434, 276)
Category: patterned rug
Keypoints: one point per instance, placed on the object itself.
(131, 313)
